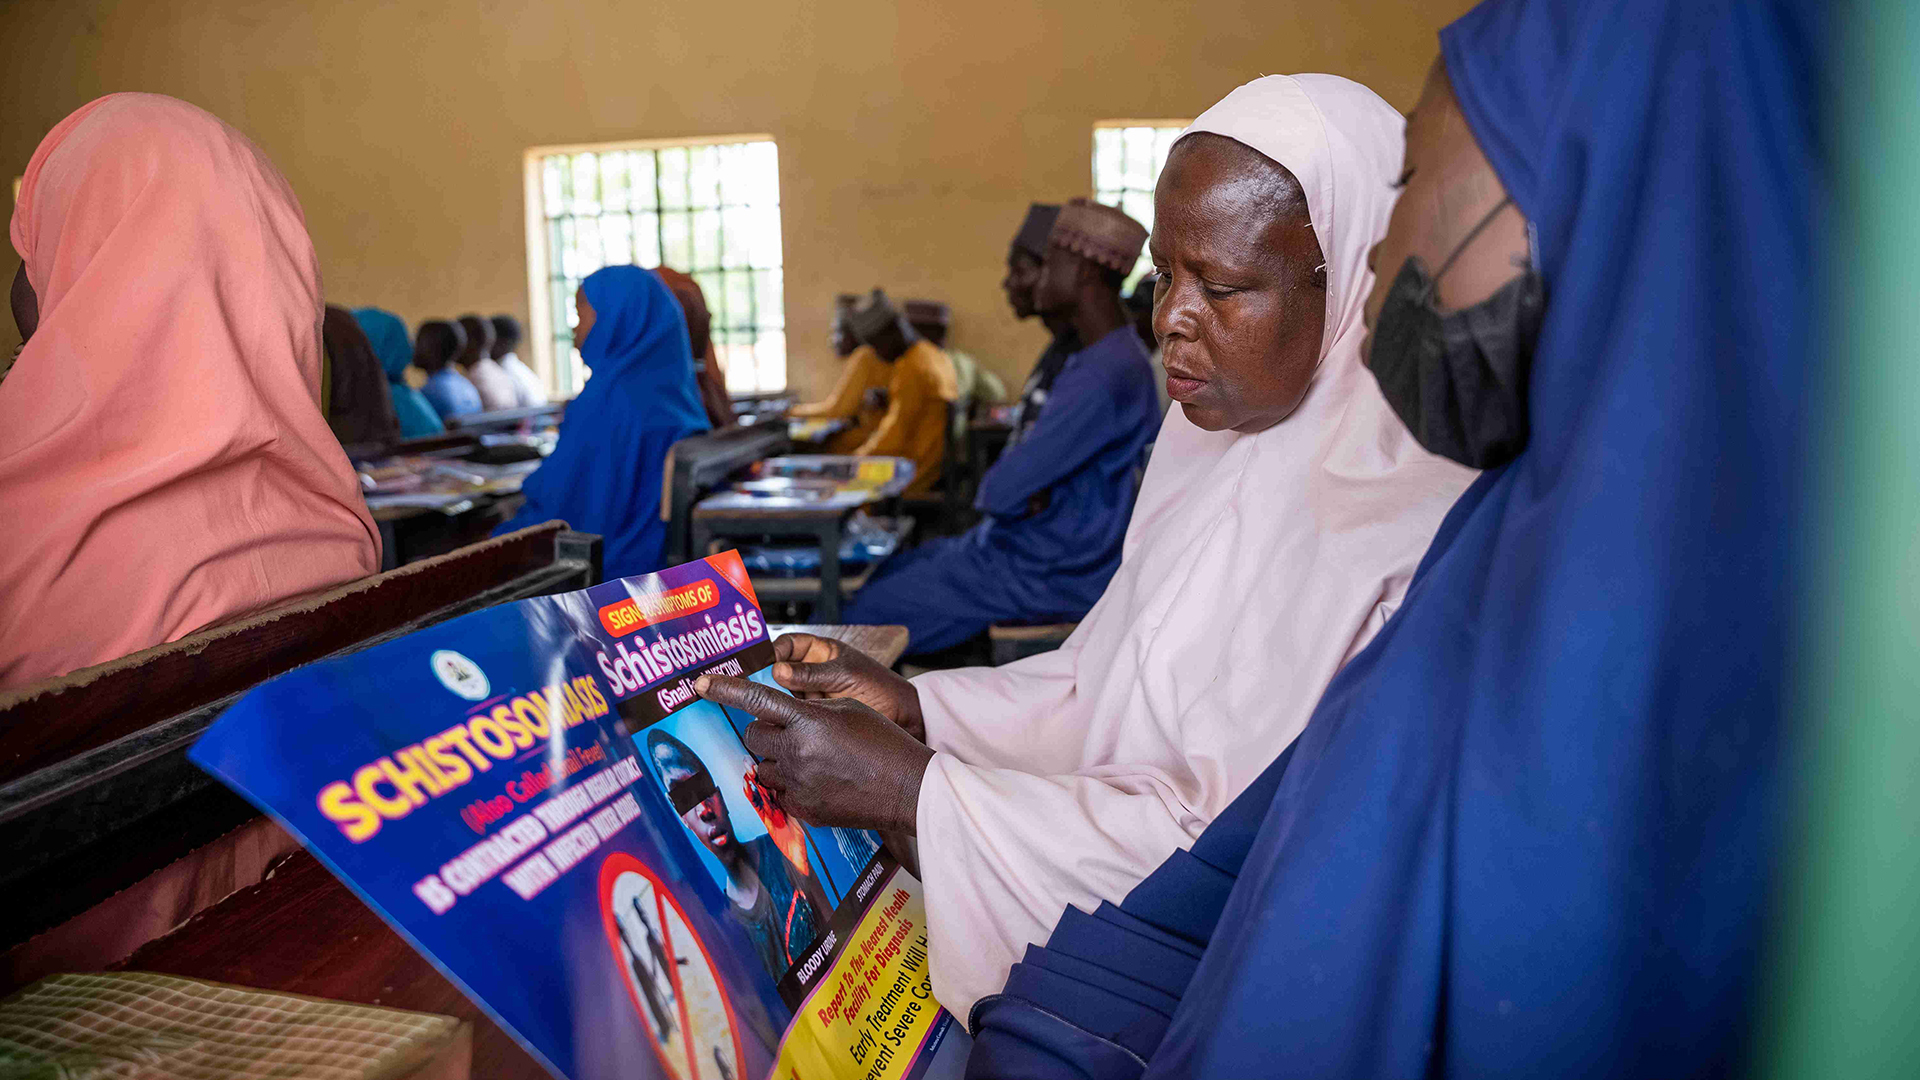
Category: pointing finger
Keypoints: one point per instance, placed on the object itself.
(760, 700)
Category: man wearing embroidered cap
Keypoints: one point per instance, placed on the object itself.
(932, 319)
(861, 372)
(1055, 505)
(1099, 234)
(1024, 256)
(920, 383)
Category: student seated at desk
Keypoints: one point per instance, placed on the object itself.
(1057, 501)
(932, 319)
(920, 384)
(706, 365)
(604, 475)
(164, 463)
(482, 370)
(358, 405)
(434, 350)
(528, 391)
(855, 396)
(1283, 513)
(387, 335)
(1024, 256)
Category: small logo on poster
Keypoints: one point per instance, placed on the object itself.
(460, 675)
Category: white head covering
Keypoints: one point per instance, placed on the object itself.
(1254, 567)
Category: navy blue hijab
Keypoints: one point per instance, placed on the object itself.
(605, 473)
(1529, 831)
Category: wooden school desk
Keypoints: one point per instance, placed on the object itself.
(411, 533)
(748, 517)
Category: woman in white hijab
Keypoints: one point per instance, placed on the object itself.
(1283, 513)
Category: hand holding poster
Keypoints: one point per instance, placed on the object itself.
(536, 799)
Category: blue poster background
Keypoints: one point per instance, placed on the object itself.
(544, 967)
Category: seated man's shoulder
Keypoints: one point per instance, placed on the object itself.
(938, 358)
(935, 368)
(1114, 358)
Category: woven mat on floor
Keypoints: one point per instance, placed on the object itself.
(136, 1026)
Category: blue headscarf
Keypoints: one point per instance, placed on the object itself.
(1529, 830)
(604, 475)
(388, 335)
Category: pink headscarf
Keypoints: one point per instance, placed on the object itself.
(163, 461)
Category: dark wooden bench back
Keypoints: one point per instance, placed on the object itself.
(95, 761)
(699, 463)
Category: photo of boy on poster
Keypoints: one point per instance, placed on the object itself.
(781, 908)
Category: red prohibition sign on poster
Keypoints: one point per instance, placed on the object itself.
(674, 934)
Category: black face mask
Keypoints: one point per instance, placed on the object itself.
(1458, 379)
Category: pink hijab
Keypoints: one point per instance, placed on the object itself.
(163, 461)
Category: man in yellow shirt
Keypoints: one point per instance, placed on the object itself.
(920, 384)
(932, 319)
(861, 373)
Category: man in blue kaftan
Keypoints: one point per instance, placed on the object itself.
(1056, 503)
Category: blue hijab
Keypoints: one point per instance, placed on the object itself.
(1529, 831)
(604, 475)
(388, 335)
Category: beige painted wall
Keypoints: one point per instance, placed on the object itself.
(911, 138)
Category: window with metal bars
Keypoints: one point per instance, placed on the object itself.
(707, 207)
(1127, 158)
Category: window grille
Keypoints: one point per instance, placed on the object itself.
(1127, 158)
(707, 207)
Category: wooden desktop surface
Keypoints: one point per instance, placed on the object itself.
(266, 936)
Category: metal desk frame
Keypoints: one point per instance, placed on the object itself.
(825, 527)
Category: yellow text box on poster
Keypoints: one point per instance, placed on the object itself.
(868, 1019)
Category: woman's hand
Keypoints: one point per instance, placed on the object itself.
(830, 761)
(819, 667)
